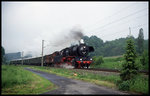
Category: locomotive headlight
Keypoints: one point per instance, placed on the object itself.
(80, 59)
(91, 59)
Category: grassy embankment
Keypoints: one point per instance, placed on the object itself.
(115, 62)
(16, 80)
(140, 85)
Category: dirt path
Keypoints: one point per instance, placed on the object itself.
(71, 86)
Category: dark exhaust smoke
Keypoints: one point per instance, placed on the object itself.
(75, 34)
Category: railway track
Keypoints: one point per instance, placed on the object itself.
(107, 70)
(113, 70)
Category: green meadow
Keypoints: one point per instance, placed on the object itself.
(17, 80)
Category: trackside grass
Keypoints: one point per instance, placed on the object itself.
(109, 62)
(16, 80)
(115, 62)
(140, 85)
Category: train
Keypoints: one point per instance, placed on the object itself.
(75, 56)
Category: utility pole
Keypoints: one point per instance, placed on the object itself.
(22, 57)
(42, 52)
(129, 32)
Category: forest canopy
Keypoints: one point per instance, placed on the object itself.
(110, 48)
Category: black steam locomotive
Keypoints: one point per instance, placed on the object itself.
(75, 56)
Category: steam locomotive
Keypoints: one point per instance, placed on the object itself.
(75, 56)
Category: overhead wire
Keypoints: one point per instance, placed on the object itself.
(131, 6)
(120, 19)
(118, 12)
(121, 23)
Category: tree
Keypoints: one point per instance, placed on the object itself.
(96, 42)
(130, 68)
(110, 48)
(140, 41)
(3, 51)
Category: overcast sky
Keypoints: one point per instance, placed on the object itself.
(26, 24)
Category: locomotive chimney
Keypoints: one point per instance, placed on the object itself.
(81, 41)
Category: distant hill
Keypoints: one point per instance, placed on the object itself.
(12, 56)
(17, 55)
(109, 48)
(28, 56)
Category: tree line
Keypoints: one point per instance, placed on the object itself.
(115, 47)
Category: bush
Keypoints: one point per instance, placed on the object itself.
(99, 60)
(140, 84)
(136, 84)
(125, 85)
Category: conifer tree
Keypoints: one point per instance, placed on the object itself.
(130, 68)
(140, 42)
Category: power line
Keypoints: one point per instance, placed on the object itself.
(122, 10)
(120, 19)
(114, 14)
(123, 23)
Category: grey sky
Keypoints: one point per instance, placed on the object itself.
(26, 24)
